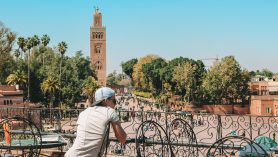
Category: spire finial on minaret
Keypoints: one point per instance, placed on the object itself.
(96, 9)
(97, 17)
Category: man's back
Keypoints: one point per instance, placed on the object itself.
(91, 127)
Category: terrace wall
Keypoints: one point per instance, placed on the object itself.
(227, 109)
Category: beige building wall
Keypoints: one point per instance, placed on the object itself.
(267, 108)
(98, 47)
(255, 107)
(275, 110)
(263, 105)
(9, 95)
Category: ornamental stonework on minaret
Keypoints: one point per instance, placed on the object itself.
(98, 47)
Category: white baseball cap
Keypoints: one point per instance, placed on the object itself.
(102, 94)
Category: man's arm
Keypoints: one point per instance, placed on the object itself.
(119, 132)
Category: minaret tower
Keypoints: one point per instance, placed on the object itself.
(98, 47)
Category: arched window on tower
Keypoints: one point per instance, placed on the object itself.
(97, 35)
(97, 48)
(98, 65)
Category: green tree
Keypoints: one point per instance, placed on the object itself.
(45, 41)
(50, 86)
(36, 40)
(22, 42)
(266, 73)
(62, 48)
(17, 54)
(168, 74)
(115, 78)
(7, 38)
(138, 75)
(178, 61)
(29, 45)
(75, 70)
(112, 79)
(43, 62)
(185, 75)
(90, 85)
(17, 78)
(153, 75)
(127, 67)
(10, 38)
(200, 73)
(252, 73)
(243, 88)
(7, 64)
(83, 66)
(31, 42)
(226, 82)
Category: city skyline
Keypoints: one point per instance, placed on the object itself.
(244, 29)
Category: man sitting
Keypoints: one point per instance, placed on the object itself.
(92, 124)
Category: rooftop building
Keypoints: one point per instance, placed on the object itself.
(10, 95)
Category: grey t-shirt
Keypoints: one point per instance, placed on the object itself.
(91, 127)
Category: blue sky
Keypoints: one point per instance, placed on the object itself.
(197, 29)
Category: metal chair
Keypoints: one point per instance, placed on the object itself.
(152, 141)
(19, 137)
(105, 143)
(182, 139)
(236, 146)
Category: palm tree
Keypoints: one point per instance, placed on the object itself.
(36, 40)
(50, 86)
(90, 85)
(29, 45)
(45, 41)
(17, 54)
(17, 78)
(31, 42)
(62, 47)
(21, 42)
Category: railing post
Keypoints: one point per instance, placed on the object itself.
(69, 114)
(219, 131)
(59, 120)
(142, 114)
(29, 115)
(191, 121)
(219, 128)
(23, 113)
(51, 116)
(250, 123)
(40, 114)
(166, 124)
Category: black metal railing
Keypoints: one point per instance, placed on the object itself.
(208, 128)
